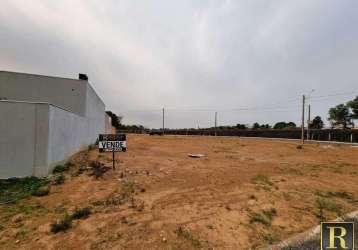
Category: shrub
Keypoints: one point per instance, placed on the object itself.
(98, 169)
(59, 179)
(62, 225)
(42, 191)
(60, 169)
(82, 213)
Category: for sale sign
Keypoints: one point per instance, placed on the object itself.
(112, 142)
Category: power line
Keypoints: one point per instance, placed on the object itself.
(270, 106)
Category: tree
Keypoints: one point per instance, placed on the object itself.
(291, 125)
(280, 125)
(266, 126)
(340, 116)
(241, 126)
(354, 106)
(284, 125)
(116, 120)
(317, 123)
(256, 125)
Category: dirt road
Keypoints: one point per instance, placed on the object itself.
(244, 194)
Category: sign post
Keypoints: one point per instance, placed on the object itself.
(112, 142)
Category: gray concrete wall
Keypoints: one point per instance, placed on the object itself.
(68, 133)
(37, 136)
(23, 140)
(95, 114)
(69, 94)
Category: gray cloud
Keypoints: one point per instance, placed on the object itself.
(207, 55)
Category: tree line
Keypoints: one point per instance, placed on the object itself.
(340, 116)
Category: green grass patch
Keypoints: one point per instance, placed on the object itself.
(9, 211)
(12, 190)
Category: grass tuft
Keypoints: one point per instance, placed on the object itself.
(261, 179)
(81, 213)
(326, 205)
(265, 217)
(59, 179)
(181, 232)
(63, 225)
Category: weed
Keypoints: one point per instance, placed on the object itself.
(60, 169)
(81, 213)
(98, 169)
(59, 179)
(341, 194)
(324, 204)
(63, 225)
(181, 232)
(42, 191)
(270, 213)
(14, 189)
(265, 217)
(261, 179)
(271, 238)
(259, 218)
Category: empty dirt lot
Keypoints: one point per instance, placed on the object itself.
(243, 195)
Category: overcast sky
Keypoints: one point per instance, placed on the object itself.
(191, 57)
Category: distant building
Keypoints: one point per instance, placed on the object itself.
(44, 120)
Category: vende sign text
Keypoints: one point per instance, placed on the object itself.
(112, 142)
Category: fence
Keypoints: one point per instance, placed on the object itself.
(340, 135)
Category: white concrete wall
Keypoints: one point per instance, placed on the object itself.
(69, 94)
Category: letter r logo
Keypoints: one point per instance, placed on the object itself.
(337, 236)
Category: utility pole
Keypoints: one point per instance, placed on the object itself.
(308, 121)
(216, 120)
(303, 120)
(163, 121)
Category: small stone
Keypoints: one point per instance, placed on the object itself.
(164, 239)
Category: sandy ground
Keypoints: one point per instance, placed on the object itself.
(243, 195)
